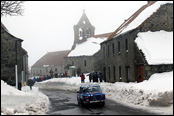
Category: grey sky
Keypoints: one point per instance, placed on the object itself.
(47, 26)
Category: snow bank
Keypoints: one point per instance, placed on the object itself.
(15, 102)
(157, 91)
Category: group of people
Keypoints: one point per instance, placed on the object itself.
(31, 81)
(93, 76)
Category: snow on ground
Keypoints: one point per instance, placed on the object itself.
(155, 94)
(25, 102)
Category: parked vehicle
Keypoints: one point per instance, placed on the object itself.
(90, 94)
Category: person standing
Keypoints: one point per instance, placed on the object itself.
(90, 77)
(100, 77)
(82, 78)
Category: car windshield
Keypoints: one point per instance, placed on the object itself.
(93, 89)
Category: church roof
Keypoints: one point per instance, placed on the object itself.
(89, 47)
(138, 18)
(52, 58)
(102, 35)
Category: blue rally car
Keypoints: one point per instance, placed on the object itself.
(90, 94)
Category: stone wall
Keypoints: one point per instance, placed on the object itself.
(41, 71)
(9, 44)
(161, 20)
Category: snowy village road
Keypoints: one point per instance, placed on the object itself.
(65, 103)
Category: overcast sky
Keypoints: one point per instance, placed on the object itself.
(47, 26)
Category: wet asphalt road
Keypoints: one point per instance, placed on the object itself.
(65, 103)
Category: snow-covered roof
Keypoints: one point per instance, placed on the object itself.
(140, 16)
(156, 46)
(87, 48)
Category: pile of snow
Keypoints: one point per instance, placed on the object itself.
(87, 48)
(25, 102)
(157, 91)
(149, 94)
(156, 46)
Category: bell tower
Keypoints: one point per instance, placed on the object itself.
(82, 30)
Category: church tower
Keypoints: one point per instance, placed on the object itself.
(82, 30)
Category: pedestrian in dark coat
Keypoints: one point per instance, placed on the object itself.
(90, 77)
(95, 77)
(100, 77)
(30, 83)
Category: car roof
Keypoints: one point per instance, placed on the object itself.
(84, 86)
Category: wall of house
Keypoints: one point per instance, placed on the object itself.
(86, 64)
(8, 58)
(161, 20)
(151, 69)
(79, 63)
(41, 71)
(117, 60)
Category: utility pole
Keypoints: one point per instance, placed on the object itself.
(16, 66)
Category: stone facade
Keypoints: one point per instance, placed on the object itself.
(84, 64)
(121, 56)
(82, 30)
(12, 54)
(41, 71)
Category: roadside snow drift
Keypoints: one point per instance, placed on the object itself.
(25, 102)
(157, 91)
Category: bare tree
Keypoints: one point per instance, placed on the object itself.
(12, 8)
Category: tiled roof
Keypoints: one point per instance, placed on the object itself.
(52, 58)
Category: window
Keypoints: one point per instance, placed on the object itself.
(104, 52)
(114, 74)
(113, 49)
(40, 71)
(88, 32)
(118, 46)
(84, 22)
(108, 50)
(84, 62)
(126, 43)
(109, 72)
(46, 69)
(127, 73)
(80, 34)
(73, 63)
(120, 72)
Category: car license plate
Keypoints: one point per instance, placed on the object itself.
(94, 98)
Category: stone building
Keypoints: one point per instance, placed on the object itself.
(123, 59)
(50, 62)
(85, 54)
(12, 54)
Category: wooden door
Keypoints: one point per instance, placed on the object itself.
(140, 73)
